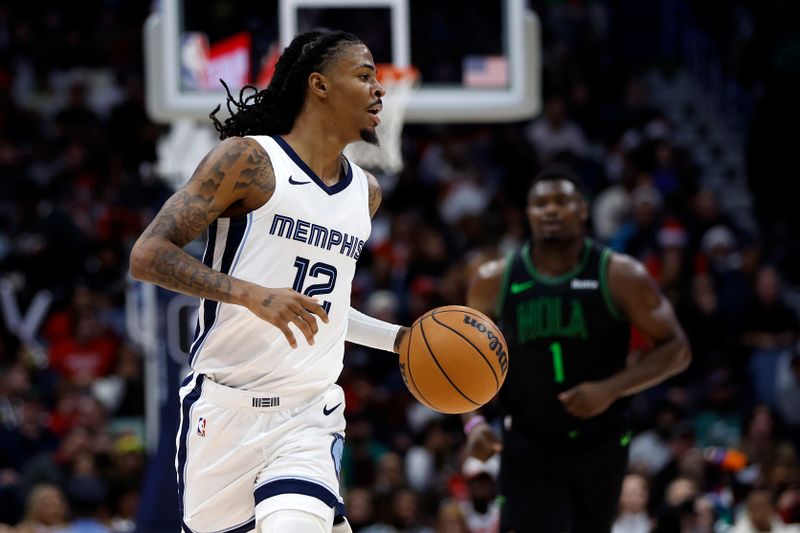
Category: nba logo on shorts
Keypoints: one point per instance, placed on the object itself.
(201, 427)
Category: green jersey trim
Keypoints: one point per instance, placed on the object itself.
(605, 259)
(554, 280)
(501, 297)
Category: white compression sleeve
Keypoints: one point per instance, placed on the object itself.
(368, 331)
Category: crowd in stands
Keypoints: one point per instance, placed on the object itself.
(715, 448)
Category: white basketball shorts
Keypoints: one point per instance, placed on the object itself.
(243, 455)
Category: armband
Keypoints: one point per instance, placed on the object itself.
(368, 331)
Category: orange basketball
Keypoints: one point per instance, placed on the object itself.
(454, 359)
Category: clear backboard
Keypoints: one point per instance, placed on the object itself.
(478, 60)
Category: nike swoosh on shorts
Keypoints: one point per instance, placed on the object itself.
(326, 411)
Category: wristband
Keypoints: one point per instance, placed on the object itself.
(472, 422)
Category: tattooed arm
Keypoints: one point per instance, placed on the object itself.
(375, 194)
(236, 177)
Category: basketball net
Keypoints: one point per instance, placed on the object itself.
(399, 83)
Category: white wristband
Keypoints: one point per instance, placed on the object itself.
(368, 331)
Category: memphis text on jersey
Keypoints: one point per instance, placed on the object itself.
(316, 235)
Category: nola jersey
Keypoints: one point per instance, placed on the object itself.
(561, 331)
(308, 236)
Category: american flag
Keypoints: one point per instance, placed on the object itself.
(485, 71)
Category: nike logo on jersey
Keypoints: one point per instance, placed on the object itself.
(589, 284)
(517, 288)
(326, 411)
(294, 182)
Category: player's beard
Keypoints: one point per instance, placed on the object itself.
(370, 136)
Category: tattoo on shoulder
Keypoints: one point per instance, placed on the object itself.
(186, 214)
(256, 172)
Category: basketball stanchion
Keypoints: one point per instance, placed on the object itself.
(400, 83)
(454, 359)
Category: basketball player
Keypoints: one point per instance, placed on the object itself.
(262, 426)
(565, 305)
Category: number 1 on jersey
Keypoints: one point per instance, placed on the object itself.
(315, 270)
(558, 362)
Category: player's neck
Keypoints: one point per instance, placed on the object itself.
(556, 259)
(321, 150)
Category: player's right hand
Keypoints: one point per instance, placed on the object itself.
(280, 307)
(482, 442)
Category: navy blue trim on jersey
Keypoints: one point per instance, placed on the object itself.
(333, 189)
(208, 260)
(236, 233)
(186, 410)
(338, 513)
(295, 486)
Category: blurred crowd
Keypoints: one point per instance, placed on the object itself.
(715, 448)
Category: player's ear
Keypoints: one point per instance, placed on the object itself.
(318, 84)
(584, 209)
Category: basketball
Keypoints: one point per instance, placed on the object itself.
(454, 359)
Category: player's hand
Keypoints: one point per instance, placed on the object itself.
(482, 442)
(587, 399)
(402, 334)
(280, 307)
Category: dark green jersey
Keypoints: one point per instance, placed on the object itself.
(560, 331)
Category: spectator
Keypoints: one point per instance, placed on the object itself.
(555, 135)
(710, 334)
(774, 460)
(719, 423)
(450, 519)
(633, 517)
(406, 513)
(360, 508)
(650, 450)
(481, 511)
(770, 327)
(424, 462)
(639, 235)
(87, 496)
(45, 511)
(723, 262)
(759, 516)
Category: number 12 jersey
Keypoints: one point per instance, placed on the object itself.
(308, 237)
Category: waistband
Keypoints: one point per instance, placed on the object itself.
(230, 397)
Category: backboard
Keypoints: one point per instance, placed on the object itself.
(478, 60)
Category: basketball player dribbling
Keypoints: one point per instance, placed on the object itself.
(565, 305)
(262, 426)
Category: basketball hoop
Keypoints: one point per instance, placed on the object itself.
(399, 83)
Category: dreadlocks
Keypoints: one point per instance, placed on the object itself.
(273, 110)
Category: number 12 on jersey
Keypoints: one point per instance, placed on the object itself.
(317, 270)
(558, 362)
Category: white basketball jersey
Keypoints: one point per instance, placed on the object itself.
(308, 236)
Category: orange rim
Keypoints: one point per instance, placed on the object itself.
(389, 73)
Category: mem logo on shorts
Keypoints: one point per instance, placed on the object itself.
(274, 401)
(201, 427)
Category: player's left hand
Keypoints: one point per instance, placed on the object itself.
(587, 399)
